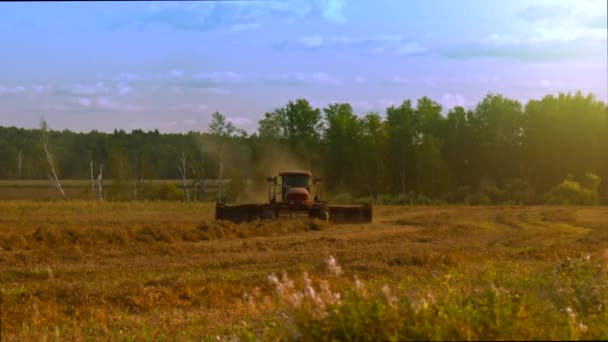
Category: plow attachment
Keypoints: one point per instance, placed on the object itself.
(243, 212)
(350, 214)
(250, 212)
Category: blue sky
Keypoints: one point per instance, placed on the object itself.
(169, 65)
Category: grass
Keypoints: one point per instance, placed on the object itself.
(167, 270)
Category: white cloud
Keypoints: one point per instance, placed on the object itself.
(499, 39)
(123, 89)
(211, 79)
(85, 102)
(384, 103)
(450, 101)
(90, 89)
(360, 79)
(17, 90)
(239, 120)
(567, 33)
(377, 45)
(398, 80)
(409, 49)
(243, 27)
(194, 107)
(548, 84)
(333, 10)
(127, 77)
(216, 91)
(105, 102)
(176, 73)
(221, 77)
(302, 78)
(39, 88)
(363, 105)
(312, 41)
(132, 108)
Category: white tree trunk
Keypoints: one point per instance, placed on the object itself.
(182, 170)
(99, 183)
(19, 163)
(93, 183)
(49, 158)
(219, 184)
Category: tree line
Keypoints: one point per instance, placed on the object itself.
(552, 150)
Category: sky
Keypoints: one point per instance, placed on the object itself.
(170, 65)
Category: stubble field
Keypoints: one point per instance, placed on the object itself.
(166, 270)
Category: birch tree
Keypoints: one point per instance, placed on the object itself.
(52, 174)
(183, 172)
(19, 163)
(222, 130)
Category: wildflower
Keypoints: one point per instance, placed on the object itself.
(296, 299)
(390, 299)
(277, 284)
(328, 296)
(360, 288)
(333, 266)
(287, 283)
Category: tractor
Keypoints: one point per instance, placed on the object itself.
(289, 195)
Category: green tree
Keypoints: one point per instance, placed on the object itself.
(342, 139)
(402, 125)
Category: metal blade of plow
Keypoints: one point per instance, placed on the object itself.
(350, 214)
(240, 213)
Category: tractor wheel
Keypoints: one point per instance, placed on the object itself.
(321, 214)
(268, 214)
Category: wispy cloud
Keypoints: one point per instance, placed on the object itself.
(558, 31)
(210, 80)
(360, 79)
(586, 13)
(449, 100)
(101, 104)
(397, 80)
(230, 16)
(379, 44)
(191, 107)
(33, 90)
(302, 79)
(530, 52)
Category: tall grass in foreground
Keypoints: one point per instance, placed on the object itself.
(567, 303)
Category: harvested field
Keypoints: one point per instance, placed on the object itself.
(161, 270)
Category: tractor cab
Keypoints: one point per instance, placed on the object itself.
(294, 188)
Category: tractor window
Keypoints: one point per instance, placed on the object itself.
(295, 181)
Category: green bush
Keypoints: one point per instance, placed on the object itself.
(165, 191)
(342, 198)
(570, 192)
(477, 198)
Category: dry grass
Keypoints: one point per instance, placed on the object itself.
(157, 270)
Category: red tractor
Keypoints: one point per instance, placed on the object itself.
(290, 195)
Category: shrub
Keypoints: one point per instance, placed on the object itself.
(520, 192)
(570, 192)
(165, 191)
(343, 198)
(477, 198)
